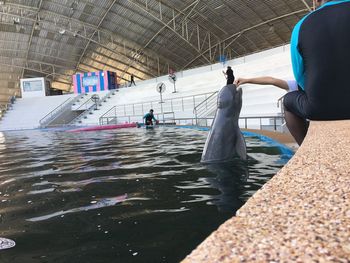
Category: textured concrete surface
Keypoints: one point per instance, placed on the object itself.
(301, 215)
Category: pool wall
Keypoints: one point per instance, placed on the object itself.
(285, 150)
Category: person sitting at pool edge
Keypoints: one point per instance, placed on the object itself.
(321, 60)
(149, 117)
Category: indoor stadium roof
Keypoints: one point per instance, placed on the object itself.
(57, 38)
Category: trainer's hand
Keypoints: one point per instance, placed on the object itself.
(240, 81)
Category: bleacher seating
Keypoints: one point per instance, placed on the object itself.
(257, 100)
(26, 113)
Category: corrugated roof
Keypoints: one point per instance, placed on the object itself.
(56, 38)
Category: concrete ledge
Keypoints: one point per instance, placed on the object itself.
(301, 215)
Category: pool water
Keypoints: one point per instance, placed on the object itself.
(131, 195)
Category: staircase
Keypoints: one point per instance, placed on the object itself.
(205, 111)
(57, 116)
(89, 107)
(28, 112)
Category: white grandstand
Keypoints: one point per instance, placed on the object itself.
(129, 104)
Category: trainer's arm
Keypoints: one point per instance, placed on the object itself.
(280, 83)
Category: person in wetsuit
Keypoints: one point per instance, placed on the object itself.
(320, 49)
(149, 117)
(229, 75)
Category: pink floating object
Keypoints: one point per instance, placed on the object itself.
(105, 127)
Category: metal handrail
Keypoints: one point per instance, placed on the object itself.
(142, 104)
(88, 100)
(202, 109)
(210, 105)
(54, 112)
(200, 104)
(206, 120)
(107, 112)
(260, 118)
(139, 117)
(89, 109)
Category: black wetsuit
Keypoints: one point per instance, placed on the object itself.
(320, 47)
(230, 76)
(132, 81)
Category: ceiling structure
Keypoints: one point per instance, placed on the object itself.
(58, 38)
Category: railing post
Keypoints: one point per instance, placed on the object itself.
(183, 109)
(245, 120)
(260, 124)
(133, 109)
(274, 122)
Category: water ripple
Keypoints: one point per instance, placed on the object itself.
(71, 186)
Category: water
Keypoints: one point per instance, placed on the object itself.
(131, 195)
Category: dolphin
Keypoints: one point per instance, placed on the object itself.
(225, 139)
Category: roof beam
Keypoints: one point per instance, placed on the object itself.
(119, 62)
(71, 62)
(93, 34)
(291, 29)
(307, 5)
(32, 33)
(262, 19)
(44, 46)
(34, 70)
(245, 30)
(146, 10)
(109, 66)
(82, 36)
(74, 63)
(102, 33)
(165, 25)
(245, 19)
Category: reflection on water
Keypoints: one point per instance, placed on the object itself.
(131, 195)
(105, 202)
